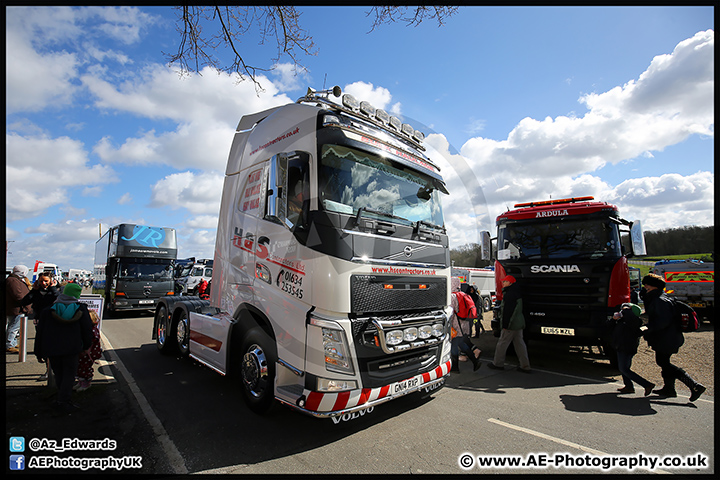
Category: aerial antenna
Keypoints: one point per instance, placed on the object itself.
(324, 81)
(496, 183)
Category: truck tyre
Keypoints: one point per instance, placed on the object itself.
(486, 304)
(182, 332)
(164, 340)
(257, 370)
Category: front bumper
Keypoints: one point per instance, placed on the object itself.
(333, 404)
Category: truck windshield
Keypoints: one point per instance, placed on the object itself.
(132, 270)
(351, 179)
(559, 240)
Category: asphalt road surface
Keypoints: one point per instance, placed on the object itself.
(554, 420)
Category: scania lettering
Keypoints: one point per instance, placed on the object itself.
(134, 266)
(330, 286)
(554, 268)
(569, 257)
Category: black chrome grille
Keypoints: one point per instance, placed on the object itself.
(370, 293)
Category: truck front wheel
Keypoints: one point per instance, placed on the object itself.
(257, 370)
(486, 304)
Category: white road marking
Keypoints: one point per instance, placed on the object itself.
(177, 463)
(557, 440)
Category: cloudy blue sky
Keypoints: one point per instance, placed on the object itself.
(614, 102)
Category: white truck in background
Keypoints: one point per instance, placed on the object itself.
(484, 281)
(690, 281)
(191, 273)
(331, 276)
(41, 267)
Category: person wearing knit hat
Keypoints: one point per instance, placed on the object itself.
(73, 289)
(654, 281)
(64, 331)
(461, 342)
(664, 336)
(625, 340)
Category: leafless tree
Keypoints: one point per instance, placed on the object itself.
(199, 49)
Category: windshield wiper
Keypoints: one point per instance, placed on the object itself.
(375, 212)
(420, 223)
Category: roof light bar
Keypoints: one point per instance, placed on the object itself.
(554, 202)
(381, 117)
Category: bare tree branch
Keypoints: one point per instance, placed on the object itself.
(282, 23)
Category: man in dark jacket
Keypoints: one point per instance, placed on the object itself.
(513, 323)
(64, 330)
(16, 287)
(665, 337)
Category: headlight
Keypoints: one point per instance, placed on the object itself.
(426, 331)
(438, 329)
(335, 349)
(394, 337)
(410, 334)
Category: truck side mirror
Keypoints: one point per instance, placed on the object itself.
(485, 245)
(277, 189)
(637, 238)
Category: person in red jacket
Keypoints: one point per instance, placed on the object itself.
(202, 289)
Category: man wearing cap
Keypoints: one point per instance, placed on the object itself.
(513, 323)
(664, 336)
(16, 287)
(64, 330)
(625, 341)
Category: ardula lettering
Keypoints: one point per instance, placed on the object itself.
(551, 213)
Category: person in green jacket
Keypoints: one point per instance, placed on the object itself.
(513, 323)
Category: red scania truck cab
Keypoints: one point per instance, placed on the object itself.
(569, 257)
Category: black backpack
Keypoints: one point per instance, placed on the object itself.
(685, 317)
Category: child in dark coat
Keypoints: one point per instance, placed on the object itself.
(626, 338)
(64, 330)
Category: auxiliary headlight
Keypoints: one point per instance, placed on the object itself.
(438, 329)
(329, 385)
(410, 334)
(394, 337)
(426, 331)
(331, 120)
(350, 102)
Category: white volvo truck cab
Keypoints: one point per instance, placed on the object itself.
(330, 286)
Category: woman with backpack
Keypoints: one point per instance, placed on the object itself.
(461, 304)
(664, 336)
